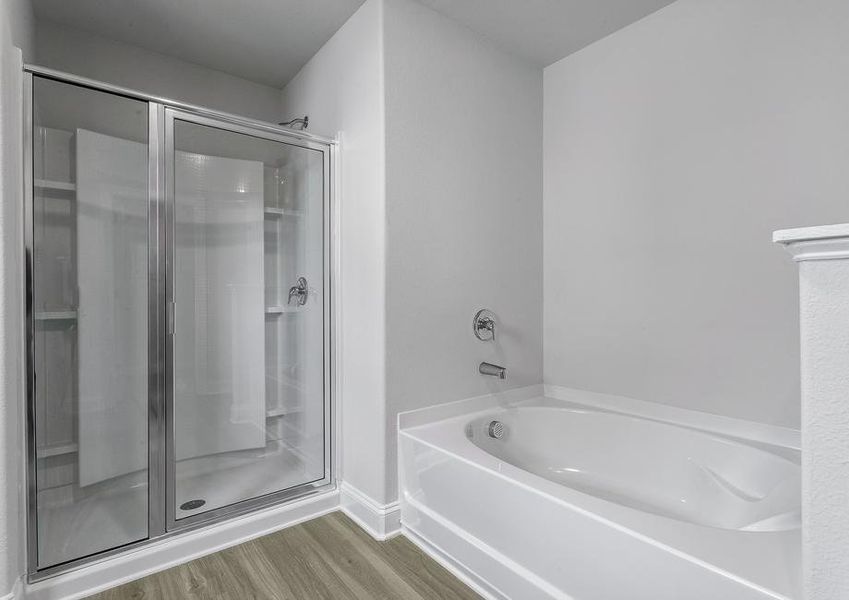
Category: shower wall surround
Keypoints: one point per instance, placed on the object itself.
(109, 340)
(222, 308)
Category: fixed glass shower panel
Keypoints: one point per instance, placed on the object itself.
(89, 319)
(247, 339)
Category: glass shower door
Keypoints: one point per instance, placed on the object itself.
(177, 318)
(246, 284)
(87, 230)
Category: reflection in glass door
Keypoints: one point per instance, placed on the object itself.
(246, 352)
(87, 227)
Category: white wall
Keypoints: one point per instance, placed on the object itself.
(16, 22)
(457, 125)
(672, 149)
(84, 54)
(341, 88)
(464, 212)
(18, 16)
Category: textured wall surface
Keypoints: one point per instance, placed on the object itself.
(673, 148)
(824, 306)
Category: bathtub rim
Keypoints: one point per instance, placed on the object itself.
(416, 425)
(785, 441)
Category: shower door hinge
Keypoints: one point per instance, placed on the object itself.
(169, 318)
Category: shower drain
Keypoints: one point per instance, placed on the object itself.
(192, 504)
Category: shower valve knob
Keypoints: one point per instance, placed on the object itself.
(484, 325)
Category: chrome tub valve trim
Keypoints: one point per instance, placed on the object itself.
(484, 325)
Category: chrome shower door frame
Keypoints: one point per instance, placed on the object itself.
(161, 482)
(228, 125)
(156, 464)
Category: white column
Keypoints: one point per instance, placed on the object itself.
(823, 257)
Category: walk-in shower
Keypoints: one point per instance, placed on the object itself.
(174, 378)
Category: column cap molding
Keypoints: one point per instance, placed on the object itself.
(823, 242)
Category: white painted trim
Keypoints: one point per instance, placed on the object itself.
(819, 232)
(16, 593)
(381, 521)
(13, 330)
(826, 242)
(337, 330)
(180, 549)
(829, 249)
(772, 435)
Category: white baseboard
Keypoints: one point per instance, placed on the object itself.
(179, 549)
(381, 521)
(16, 593)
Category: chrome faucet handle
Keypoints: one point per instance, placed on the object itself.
(484, 325)
(301, 290)
(487, 324)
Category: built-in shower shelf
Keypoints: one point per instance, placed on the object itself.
(272, 413)
(60, 450)
(271, 211)
(56, 315)
(283, 309)
(48, 184)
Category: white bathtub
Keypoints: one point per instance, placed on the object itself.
(578, 503)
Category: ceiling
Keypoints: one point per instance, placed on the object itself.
(544, 31)
(268, 41)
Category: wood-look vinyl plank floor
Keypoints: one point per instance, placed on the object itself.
(329, 558)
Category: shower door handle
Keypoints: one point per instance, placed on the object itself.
(170, 318)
